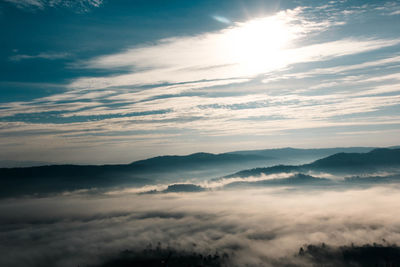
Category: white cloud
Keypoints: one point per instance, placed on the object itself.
(221, 19)
(396, 12)
(224, 54)
(242, 50)
(49, 56)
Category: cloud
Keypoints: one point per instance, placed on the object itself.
(396, 12)
(180, 92)
(134, 119)
(389, 61)
(254, 227)
(77, 5)
(389, 8)
(49, 56)
(172, 61)
(26, 3)
(240, 51)
(221, 19)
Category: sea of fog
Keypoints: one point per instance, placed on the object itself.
(246, 227)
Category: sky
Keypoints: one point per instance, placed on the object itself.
(101, 81)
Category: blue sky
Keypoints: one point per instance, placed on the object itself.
(92, 81)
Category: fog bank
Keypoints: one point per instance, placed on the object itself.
(262, 227)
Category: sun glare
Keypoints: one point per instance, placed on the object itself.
(257, 45)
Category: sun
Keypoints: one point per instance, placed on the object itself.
(258, 45)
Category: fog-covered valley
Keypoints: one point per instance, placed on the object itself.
(340, 210)
(253, 227)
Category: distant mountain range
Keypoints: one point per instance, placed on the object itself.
(381, 159)
(277, 156)
(176, 169)
(298, 156)
(164, 169)
(22, 164)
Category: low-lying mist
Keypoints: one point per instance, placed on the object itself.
(253, 227)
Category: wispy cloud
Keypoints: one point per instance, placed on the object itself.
(179, 61)
(242, 50)
(272, 78)
(221, 19)
(49, 56)
(76, 5)
(396, 12)
(389, 61)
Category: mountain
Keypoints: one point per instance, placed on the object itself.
(22, 164)
(177, 188)
(197, 161)
(297, 156)
(341, 163)
(168, 169)
(358, 162)
(163, 169)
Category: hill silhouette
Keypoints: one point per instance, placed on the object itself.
(176, 188)
(196, 160)
(178, 169)
(162, 169)
(375, 159)
(340, 163)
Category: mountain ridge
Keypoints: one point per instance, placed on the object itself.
(167, 169)
(336, 163)
(267, 153)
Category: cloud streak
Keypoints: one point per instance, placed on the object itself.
(77, 5)
(49, 56)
